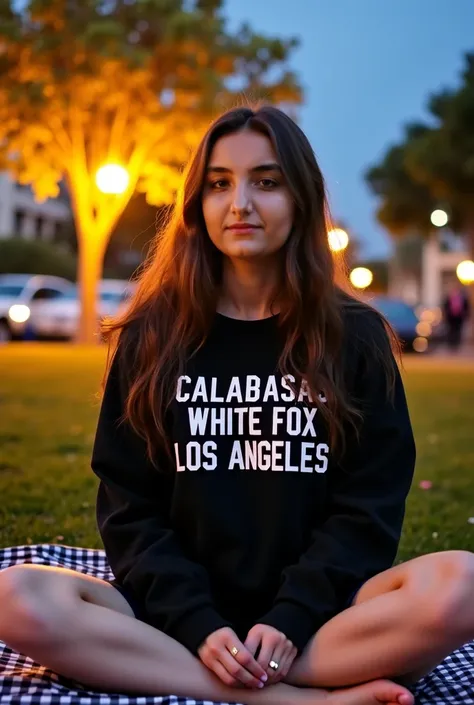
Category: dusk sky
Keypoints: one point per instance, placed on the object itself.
(367, 67)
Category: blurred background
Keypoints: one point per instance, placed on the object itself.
(100, 104)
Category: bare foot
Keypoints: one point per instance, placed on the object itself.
(373, 693)
(379, 692)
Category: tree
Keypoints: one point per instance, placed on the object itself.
(405, 204)
(133, 82)
(20, 256)
(433, 166)
(442, 158)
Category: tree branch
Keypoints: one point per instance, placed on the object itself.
(118, 130)
(60, 135)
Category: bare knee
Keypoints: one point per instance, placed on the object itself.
(28, 612)
(445, 603)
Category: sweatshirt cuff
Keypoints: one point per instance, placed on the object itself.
(294, 621)
(193, 629)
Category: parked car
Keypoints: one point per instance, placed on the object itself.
(59, 318)
(412, 332)
(18, 294)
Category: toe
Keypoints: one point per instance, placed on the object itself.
(405, 699)
(388, 692)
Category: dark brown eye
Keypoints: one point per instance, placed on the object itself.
(268, 183)
(218, 184)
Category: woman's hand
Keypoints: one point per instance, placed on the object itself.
(224, 654)
(275, 649)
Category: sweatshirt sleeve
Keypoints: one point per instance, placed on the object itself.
(133, 504)
(360, 533)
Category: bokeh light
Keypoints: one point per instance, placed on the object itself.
(112, 178)
(420, 344)
(361, 277)
(338, 239)
(19, 313)
(439, 218)
(465, 271)
(424, 329)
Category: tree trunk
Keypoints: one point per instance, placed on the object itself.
(91, 249)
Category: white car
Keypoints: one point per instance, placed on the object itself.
(19, 293)
(59, 318)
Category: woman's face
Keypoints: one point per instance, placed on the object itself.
(246, 203)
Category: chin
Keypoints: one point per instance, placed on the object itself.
(247, 253)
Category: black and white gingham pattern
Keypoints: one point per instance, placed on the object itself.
(24, 682)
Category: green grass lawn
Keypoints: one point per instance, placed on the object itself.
(48, 410)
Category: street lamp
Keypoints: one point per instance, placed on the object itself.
(338, 239)
(439, 218)
(465, 271)
(112, 178)
(361, 277)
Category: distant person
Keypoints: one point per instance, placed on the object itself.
(456, 312)
(255, 452)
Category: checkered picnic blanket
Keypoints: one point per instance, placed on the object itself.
(24, 682)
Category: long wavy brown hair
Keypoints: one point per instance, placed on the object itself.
(173, 309)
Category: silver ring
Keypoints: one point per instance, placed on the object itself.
(274, 665)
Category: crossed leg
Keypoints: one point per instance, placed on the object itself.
(83, 628)
(403, 623)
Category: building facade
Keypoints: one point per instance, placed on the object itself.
(425, 281)
(21, 215)
(441, 257)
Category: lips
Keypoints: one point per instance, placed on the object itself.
(243, 227)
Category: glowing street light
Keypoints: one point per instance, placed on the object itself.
(439, 218)
(338, 239)
(361, 277)
(112, 178)
(465, 271)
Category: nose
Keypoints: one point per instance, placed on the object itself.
(241, 199)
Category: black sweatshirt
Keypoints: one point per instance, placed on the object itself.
(257, 520)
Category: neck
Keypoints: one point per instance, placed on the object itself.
(249, 289)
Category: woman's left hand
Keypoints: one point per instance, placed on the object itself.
(275, 648)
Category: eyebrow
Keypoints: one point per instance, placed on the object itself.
(271, 166)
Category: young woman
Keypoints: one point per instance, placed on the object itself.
(255, 452)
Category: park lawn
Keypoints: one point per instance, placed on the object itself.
(49, 402)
